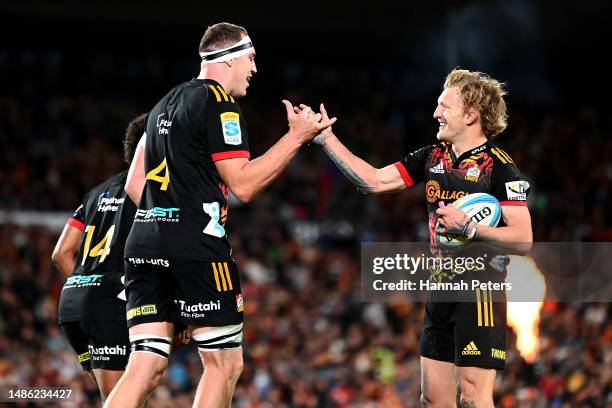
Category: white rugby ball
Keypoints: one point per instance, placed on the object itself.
(480, 207)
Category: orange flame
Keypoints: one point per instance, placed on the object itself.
(524, 317)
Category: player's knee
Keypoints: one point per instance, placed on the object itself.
(425, 400)
(475, 389)
(436, 394)
(468, 393)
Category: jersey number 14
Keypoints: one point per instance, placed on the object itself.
(102, 248)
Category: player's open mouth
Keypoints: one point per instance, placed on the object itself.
(442, 125)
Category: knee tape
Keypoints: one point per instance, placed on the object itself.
(150, 343)
(220, 338)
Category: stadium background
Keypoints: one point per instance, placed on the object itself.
(73, 74)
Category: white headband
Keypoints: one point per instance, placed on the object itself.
(239, 49)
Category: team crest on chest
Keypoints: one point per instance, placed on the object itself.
(473, 174)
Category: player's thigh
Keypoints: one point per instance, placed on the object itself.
(438, 383)
(109, 344)
(208, 293)
(436, 340)
(79, 341)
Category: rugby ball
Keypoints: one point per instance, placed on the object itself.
(480, 207)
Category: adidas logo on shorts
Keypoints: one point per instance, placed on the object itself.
(471, 350)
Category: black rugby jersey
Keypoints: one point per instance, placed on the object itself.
(94, 290)
(183, 209)
(484, 169)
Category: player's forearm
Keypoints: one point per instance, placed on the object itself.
(63, 262)
(358, 171)
(516, 239)
(257, 174)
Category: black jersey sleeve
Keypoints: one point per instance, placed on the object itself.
(412, 167)
(508, 184)
(225, 126)
(77, 220)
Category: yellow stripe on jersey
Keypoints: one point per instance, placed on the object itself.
(216, 277)
(506, 155)
(501, 155)
(226, 97)
(217, 96)
(491, 307)
(478, 307)
(486, 308)
(229, 280)
(223, 283)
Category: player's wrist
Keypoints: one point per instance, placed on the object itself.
(469, 230)
(299, 138)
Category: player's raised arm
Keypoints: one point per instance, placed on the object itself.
(133, 154)
(245, 178)
(367, 178)
(136, 175)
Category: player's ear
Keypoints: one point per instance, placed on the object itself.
(471, 117)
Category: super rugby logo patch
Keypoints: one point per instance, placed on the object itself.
(230, 124)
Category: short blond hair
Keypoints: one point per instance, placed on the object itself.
(221, 35)
(483, 94)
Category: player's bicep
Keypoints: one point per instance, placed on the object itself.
(230, 172)
(519, 218)
(390, 179)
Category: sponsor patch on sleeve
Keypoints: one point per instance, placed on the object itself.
(239, 303)
(517, 190)
(230, 124)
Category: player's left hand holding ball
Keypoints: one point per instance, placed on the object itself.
(451, 219)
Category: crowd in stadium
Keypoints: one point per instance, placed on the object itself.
(309, 340)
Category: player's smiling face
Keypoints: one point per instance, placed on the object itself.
(450, 115)
(244, 69)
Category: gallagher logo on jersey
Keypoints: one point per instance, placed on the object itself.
(230, 124)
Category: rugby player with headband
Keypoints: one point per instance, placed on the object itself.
(239, 49)
(177, 257)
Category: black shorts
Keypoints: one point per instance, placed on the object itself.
(471, 334)
(99, 344)
(199, 293)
